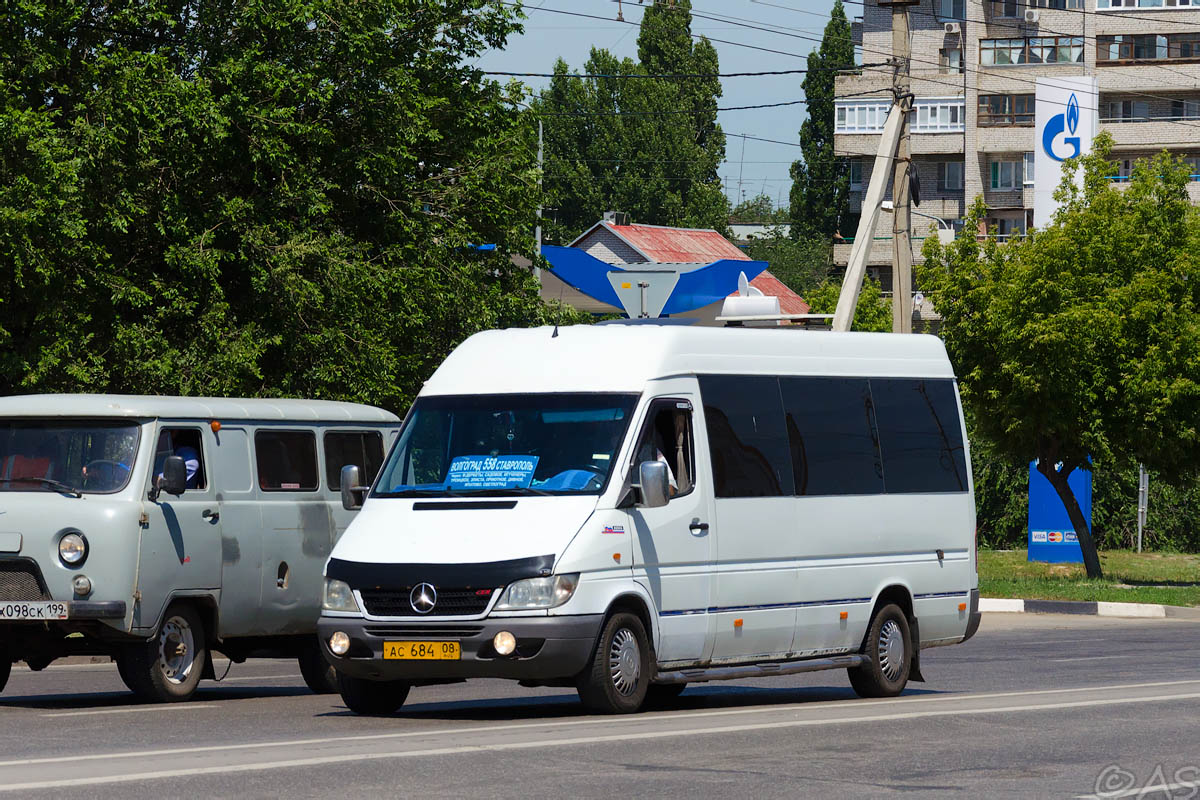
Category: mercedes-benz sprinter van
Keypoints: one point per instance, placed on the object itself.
(628, 508)
(157, 529)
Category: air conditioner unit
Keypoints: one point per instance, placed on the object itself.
(1031, 15)
(953, 28)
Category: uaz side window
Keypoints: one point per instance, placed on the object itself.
(287, 461)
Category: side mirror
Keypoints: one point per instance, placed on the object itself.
(174, 479)
(353, 492)
(655, 485)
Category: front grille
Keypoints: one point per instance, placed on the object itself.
(450, 602)
(426, 631)
(20, 579)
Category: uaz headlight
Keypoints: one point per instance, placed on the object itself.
(73, 549)
(538, 593)
(338, 596)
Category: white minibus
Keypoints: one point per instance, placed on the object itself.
(628, 508)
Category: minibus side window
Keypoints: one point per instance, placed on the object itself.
(920, 435)
(286, 460)
(667, 437)
(832, 434)
(747, 436)
(363, 450)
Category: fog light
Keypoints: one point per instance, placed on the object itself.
(505, 643)
(339, 644)
(82, 584)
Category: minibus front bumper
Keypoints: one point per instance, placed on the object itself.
(547, 648)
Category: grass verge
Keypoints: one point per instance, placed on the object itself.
(1129, 577)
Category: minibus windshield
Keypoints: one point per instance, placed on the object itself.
(507, 445)
(66, 456)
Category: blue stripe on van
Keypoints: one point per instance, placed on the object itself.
(963, 593)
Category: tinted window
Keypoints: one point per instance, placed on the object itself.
(831, 432)
(919, 435)
(363, 450)
(747, 439)
(287, 460)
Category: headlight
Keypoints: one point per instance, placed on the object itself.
(538, 593)
(73, 549)
(338, 597)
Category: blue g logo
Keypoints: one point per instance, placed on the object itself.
(1057, 124)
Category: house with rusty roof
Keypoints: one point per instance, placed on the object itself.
(702, 257)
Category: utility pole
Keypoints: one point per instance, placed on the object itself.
(537, 231)
(902, 309)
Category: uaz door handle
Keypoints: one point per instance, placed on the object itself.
(210, 515)
(697, 525)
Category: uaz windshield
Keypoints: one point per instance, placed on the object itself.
(507, 444)
(61, 456)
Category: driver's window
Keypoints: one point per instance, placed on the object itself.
(183, 442)
(667, 437)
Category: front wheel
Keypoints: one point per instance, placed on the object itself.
(319, 675)
(616, 680)
(372, 698)
(888, 650)
(167, 668)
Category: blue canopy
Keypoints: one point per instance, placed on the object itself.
(696, 288)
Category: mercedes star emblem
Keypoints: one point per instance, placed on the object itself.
(423, 598)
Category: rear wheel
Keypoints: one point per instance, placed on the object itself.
(319, 674)
(167, 668)
(888, 650)
(618, 677)
(372, 698)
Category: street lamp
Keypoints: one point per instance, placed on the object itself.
(945, 229)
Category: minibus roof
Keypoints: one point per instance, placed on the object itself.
(205, 408)
(622, 358)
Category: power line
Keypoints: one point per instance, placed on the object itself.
(674, 74)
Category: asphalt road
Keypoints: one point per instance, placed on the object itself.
(1034, 706)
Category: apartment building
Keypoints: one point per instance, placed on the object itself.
(974, 69)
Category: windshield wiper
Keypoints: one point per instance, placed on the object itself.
(53, 484)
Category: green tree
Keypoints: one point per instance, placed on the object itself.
(873, 312)
(608, 146)
(802, 264)
(263, 198)
(1084, 339)
(821, 181)
(759, 209)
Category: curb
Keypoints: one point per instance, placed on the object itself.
(1098, 608)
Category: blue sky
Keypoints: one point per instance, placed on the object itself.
(794, 24)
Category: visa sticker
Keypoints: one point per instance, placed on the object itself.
(1038, 536)
(613, 529)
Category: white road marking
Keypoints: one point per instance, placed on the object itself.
(691, 715)
(171, 707)
(1094, 658)
(261, 766)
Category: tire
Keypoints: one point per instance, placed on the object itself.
(5, 668)
(319, 675)
(663, 695)
(888, 650)
(618, 676)
(167, 668)
(372, 698)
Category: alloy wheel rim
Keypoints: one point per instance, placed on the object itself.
(891, 650)
(176, 650)
(625, 662)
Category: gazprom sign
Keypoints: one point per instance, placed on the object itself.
(1066, 113)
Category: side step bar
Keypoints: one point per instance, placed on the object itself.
(758, 670)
